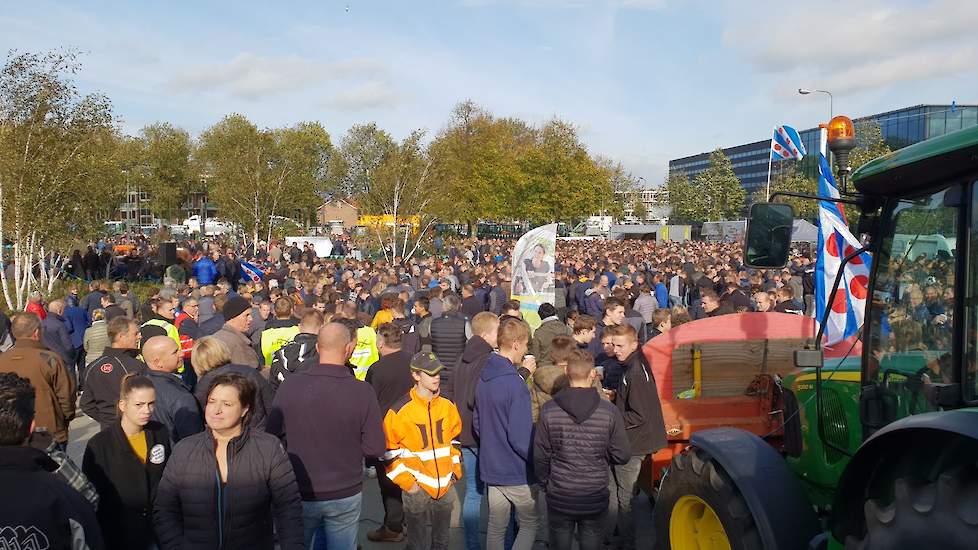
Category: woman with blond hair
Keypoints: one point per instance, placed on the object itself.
(211, 358)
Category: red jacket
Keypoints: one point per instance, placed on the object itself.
(33, 307)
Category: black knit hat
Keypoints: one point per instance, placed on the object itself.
(235, 306)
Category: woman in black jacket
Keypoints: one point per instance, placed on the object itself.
(125, 463)
(224, 488)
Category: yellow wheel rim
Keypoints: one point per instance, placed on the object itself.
(694, 525)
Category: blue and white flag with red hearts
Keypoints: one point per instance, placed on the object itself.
(786, 144)
(836, 242)
(251, 272)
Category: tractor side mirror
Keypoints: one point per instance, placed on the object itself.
(769, 228)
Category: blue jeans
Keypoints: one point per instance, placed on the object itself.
(475, 490)
(332, 524)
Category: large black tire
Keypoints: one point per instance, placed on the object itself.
(694, 472)
(941, 514)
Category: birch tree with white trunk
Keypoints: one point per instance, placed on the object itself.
(60, 169)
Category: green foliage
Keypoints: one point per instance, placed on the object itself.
(715, 194)
(793, 180)
(869, 144)
(560, 180)
(623, 185)
(60, 152)
(638, 210)
(161, 166)
(362, 150)
(505, 169)
(256, 174)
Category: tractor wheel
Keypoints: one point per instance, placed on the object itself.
(699, 508)
(943, 514)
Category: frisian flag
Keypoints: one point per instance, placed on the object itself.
(835, 242)
(786, 144)
(251, 272)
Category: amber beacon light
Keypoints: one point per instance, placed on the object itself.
(841, 140)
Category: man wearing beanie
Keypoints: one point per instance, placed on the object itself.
(237, 320)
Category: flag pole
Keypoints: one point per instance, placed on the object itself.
(770, 156)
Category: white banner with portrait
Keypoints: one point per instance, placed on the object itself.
(533, 271)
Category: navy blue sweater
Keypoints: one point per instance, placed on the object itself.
(503, 423)
(328, 422)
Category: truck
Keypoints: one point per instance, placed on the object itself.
(876, 447)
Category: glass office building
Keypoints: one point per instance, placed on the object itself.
(899, 128)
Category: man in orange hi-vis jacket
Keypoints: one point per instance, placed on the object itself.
(420, 429)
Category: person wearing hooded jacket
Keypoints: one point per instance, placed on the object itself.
(503, 423)
(467, 371)
(578, 438)
(550, 327)
(298, 354)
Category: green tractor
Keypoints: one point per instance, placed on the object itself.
(880, 447)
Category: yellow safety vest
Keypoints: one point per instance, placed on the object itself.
(170, 328)
(365, 354)
(171, 331)
(272, 340)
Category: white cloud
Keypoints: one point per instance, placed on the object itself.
(858, 46)
(251, 76)
(370, 95)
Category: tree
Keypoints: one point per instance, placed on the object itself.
(60, 167)
(476, 158)
(623, 185)
(163, 168)
(560, 180)
(638, 210)
(685, 203)
(718, 183)
(869, 144)
(793, 180)
(402, 191)
(714, 194)
(362, 150)
(256, 175)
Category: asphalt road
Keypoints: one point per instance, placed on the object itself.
(82, 428)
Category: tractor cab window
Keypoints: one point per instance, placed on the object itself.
(913, 300)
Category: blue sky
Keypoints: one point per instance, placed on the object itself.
(644, 80)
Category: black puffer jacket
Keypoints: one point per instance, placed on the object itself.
(447, 343)
(293, 357)
(260, 491)
(126, 487)
(263, 396)
(576, 437)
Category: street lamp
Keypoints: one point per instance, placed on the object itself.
(806, 91)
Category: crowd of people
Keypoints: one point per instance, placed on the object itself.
(243, 410)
